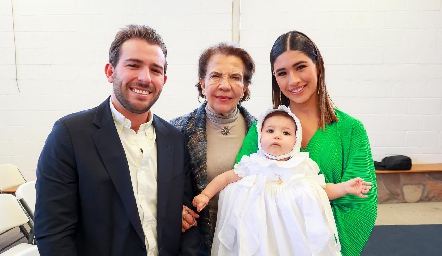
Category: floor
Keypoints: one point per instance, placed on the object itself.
(409, 213)
(388, 214)
(12, 236)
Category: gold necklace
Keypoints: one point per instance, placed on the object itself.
(279, 181)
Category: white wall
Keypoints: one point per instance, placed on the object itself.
(383, 62)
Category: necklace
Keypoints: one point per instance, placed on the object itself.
(225, 130)
(279, 180)
(221, 121)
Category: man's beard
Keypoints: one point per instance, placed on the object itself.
(123, 98)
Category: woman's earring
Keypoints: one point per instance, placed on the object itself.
(280, 97)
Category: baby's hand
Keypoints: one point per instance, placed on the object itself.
(200, 201)
(358, 187)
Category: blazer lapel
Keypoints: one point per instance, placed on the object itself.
(112, 153)
(164, 169)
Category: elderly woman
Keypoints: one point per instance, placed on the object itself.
(216, 129)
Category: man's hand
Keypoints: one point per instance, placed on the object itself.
(189, 219)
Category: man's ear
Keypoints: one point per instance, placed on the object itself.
(109, 71)
(165, 79)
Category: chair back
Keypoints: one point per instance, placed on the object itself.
(12, 215)
(32, 251)
(26, 194)
(21, 249)
(10, 176)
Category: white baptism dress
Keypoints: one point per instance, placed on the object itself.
(277, 208)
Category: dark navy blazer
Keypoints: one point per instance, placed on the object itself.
(85, 201)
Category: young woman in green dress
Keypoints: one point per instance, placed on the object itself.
(337, 142)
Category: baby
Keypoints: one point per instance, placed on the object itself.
(277, 202)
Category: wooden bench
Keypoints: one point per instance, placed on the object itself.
(422, 183)
(416, 168)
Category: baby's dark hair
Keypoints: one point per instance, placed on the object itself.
(278, 113)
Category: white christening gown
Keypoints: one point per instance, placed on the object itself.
(277, 208)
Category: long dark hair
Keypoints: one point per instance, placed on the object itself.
(297, 41)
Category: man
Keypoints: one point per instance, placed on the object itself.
(113, 180)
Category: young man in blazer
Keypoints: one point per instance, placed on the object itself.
(112, 180)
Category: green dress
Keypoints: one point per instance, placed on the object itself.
(342, 151)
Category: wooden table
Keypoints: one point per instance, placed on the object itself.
(10, 190)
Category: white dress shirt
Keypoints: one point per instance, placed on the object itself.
(141, 154)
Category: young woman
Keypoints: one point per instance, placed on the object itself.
(337, 142)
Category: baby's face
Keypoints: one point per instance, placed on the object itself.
(278, 135)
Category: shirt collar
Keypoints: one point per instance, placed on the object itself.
(121, 122)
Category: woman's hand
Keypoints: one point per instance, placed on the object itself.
(358, 187)
(189, 219)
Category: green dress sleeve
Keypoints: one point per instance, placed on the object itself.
(355, 217)
(249, 144)
(342, 151)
